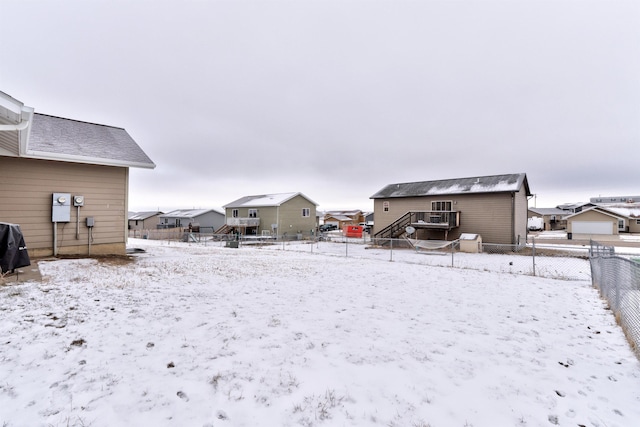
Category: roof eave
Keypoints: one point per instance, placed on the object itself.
(444, 194)
(43, 155)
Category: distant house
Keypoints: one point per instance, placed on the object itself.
(553, 218)
(368, 219)
(202, 220)
(65, 182)
(614, 200)
(612, 219)
(569, 208)
(495, 207)
(144, 220)
(289, 214)
(343, 218)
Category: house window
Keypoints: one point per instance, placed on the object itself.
(234, 213)
(621, 224)
(638, 221)
(306, 212)
(441, 205)
(385, 206)
(253, 213)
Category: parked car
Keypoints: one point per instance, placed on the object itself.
(535, 223)
(327, 227)
(365, 227)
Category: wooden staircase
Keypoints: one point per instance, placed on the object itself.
(225, 229)
(396, 228)
(430, 220)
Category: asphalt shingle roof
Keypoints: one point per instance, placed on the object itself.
(482, 184)
(94, 143)
(265, 200)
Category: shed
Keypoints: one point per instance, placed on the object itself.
(471, 243)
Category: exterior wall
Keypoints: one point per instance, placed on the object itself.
(266, 214)
(634, 225)
(593, 216)
(213, 220)
(491, 215)
(521, 206)
(290, 219)
(26, 199)
(150, 223)
(172, 221)
(209, 219)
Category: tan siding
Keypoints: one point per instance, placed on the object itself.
(26, 194)
(520, 220)
(593, 215)
(145, 224)
(490, 215)
(288, 216)
(291, 219)
(268, 215)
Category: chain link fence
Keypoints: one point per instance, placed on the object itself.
(568, 262)
(617, 277)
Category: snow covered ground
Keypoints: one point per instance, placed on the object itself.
(188, 335)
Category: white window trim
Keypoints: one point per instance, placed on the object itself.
(445, 202)
(307, 211)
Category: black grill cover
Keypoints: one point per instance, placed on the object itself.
(13, 251)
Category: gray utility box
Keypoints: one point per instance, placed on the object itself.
(61, 207)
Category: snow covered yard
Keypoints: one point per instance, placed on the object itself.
(211, 336)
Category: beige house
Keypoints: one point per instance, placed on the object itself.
(139, 221)
(284, 214)
(609, 220)
(494, 207)
(65, 182)
(553, 218)
(343, 218)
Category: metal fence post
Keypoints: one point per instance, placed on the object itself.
(452, 251)
(533, 251)
(390, 250)
(346, 247)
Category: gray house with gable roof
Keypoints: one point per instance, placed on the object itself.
(205, 220)
(65, 182)
(495, 207)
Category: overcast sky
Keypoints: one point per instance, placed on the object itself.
(336, 99)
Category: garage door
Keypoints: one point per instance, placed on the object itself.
(592, 227)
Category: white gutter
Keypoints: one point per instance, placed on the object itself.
(42, 155)
(20, 126)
